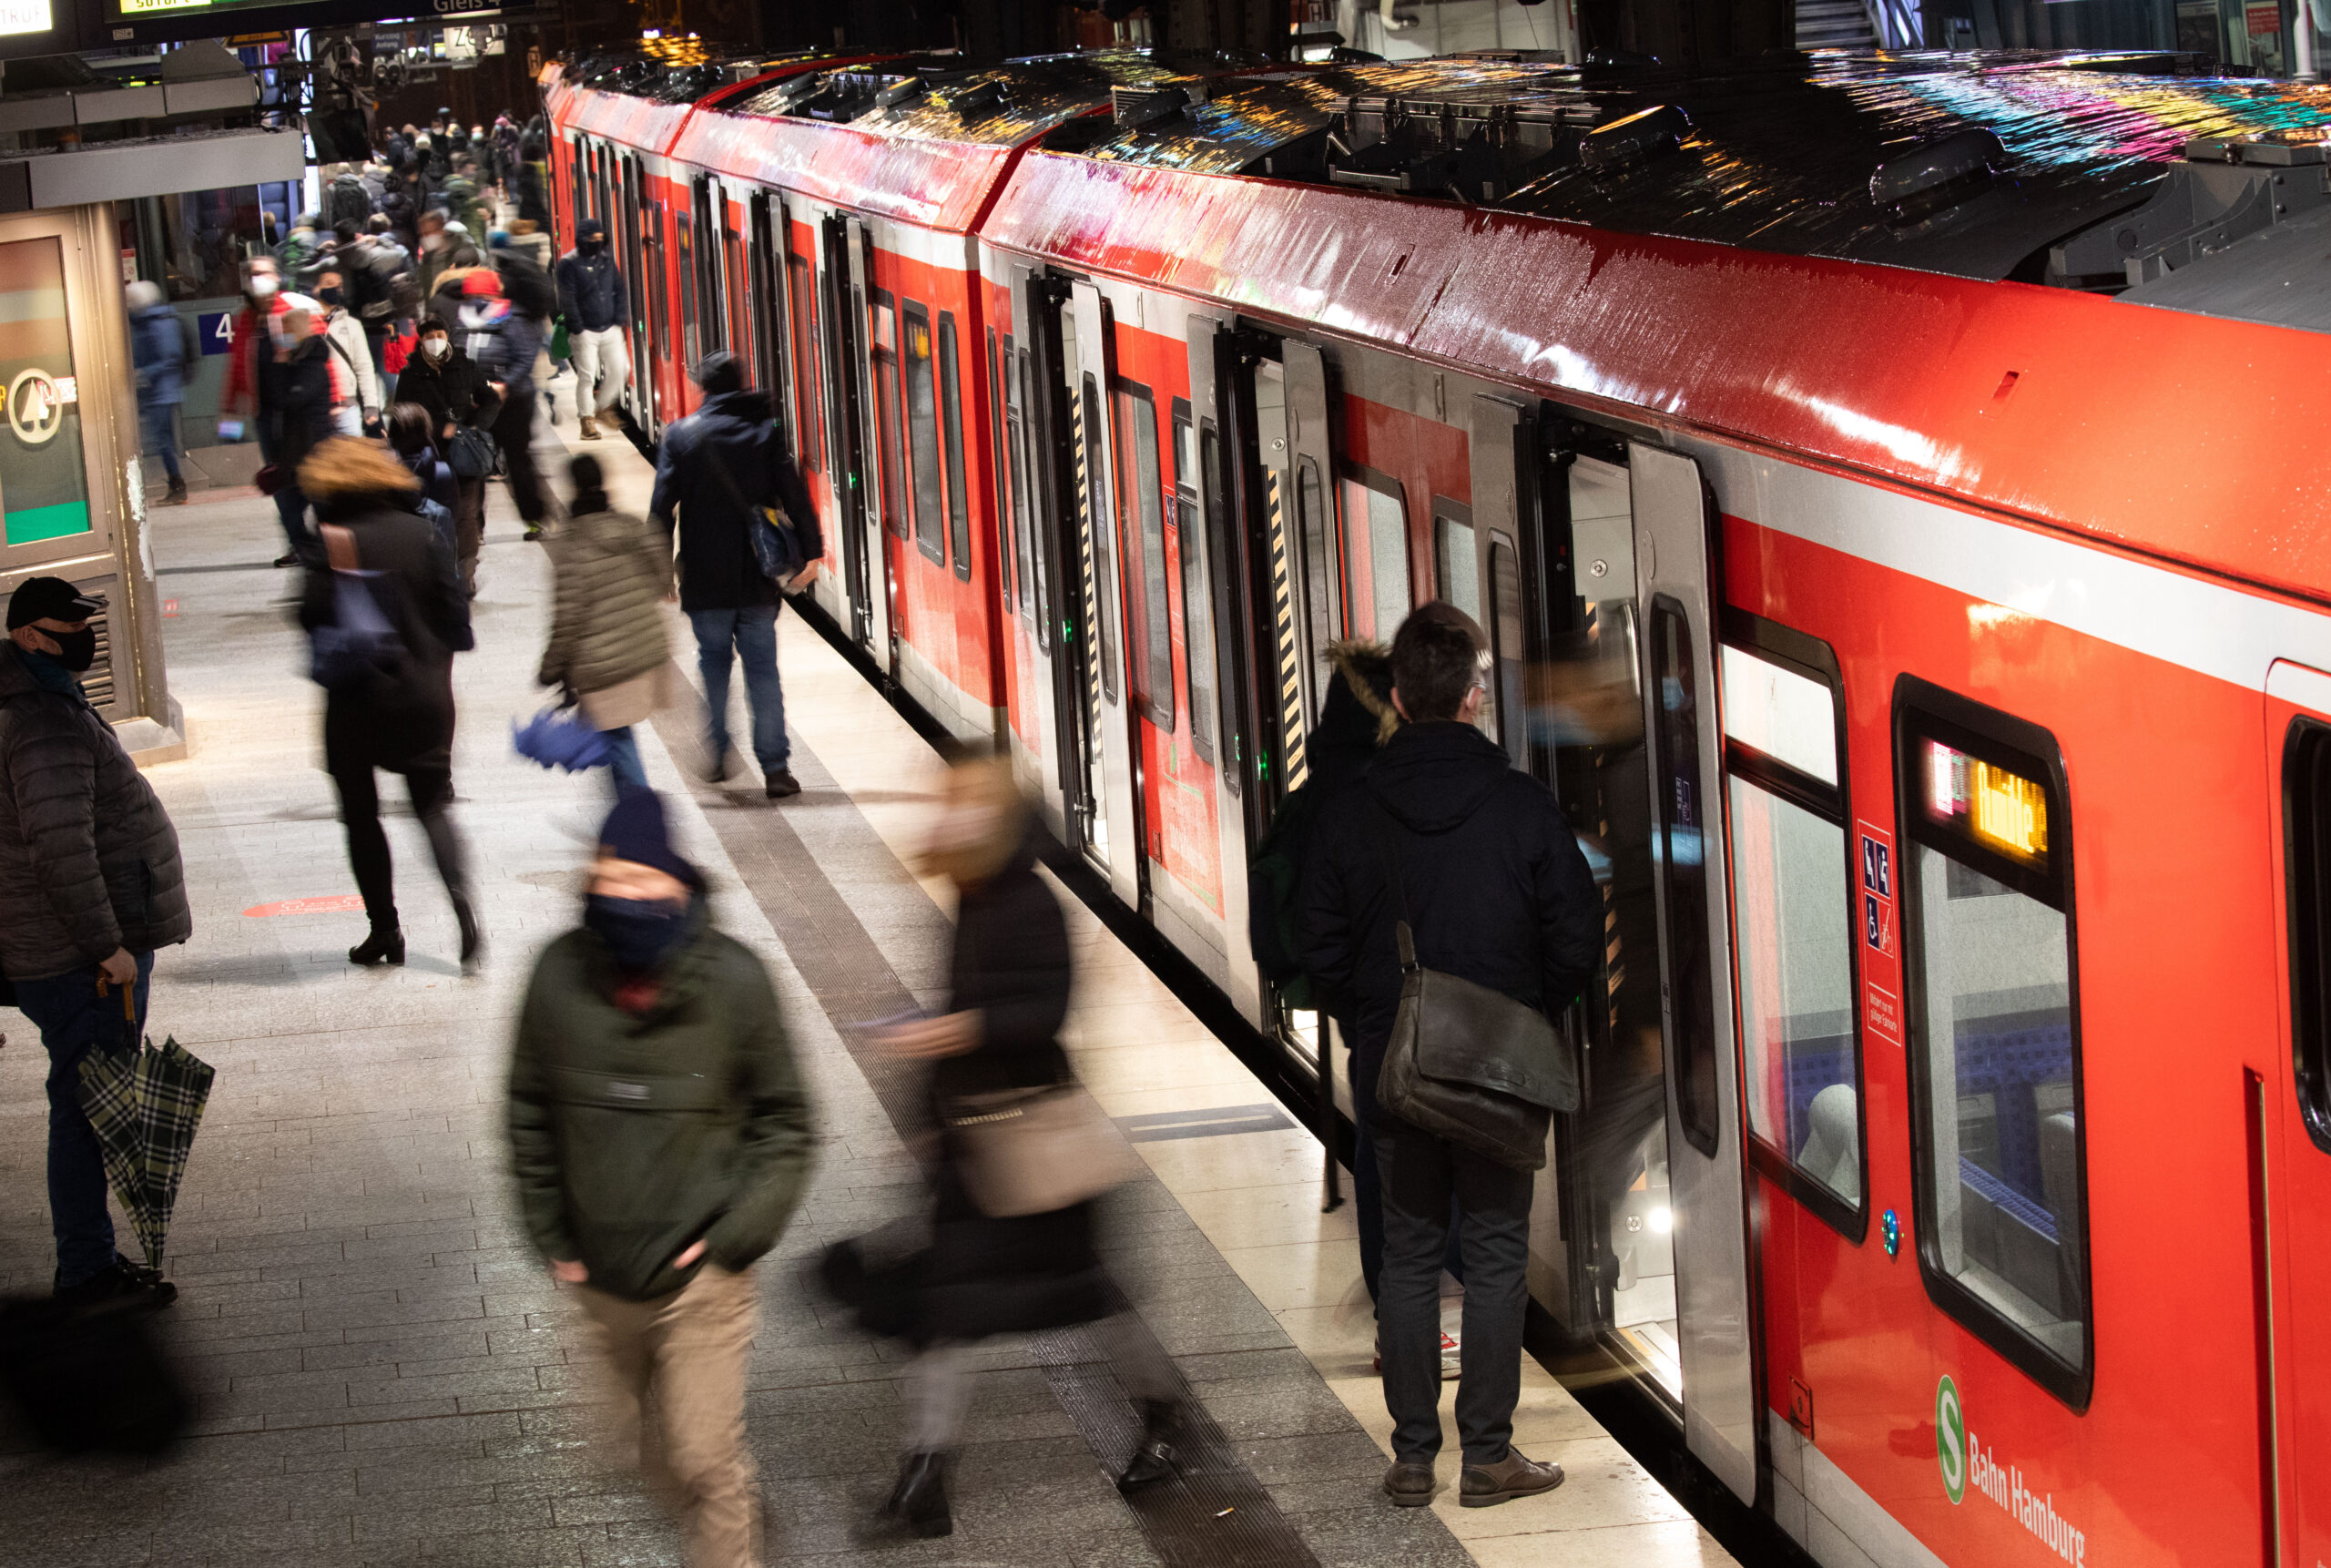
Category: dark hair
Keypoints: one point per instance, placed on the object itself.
(345, 230)
(464, 256)
(377, 224)
(409, 428)
(431, 324)
(720, 372)
(1436, 659)
(590, 484)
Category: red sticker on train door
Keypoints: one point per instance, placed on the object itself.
(1880, 934)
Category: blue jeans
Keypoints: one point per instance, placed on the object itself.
(753, 633)
(158, 431)
(72, 1019)
(624, 768)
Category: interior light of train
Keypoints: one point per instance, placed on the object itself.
(1999, 810)
(1787, 716)
(1663, 1219)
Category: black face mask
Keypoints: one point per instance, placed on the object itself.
(640, 933)
(329, 296)
(594, 245)
(76, 651)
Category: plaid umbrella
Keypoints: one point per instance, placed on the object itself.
(145, 1102)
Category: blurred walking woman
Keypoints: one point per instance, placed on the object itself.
(402, 720)
(990, 1272)
(608, 647)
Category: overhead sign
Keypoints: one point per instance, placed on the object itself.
(25, 16)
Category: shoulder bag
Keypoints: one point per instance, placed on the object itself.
(1465, 1062)
(1032, 1151)
(360, 648)
(777, 545)
(469, 452)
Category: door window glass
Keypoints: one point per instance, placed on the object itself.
(808, 383)
(1138, 477)
(1323, 620)
(1503, 713)
(1376, 555)
(923, 430)
(959, 515)
(1029, 487)
(1994, 1037)
(1683, 826)
(1003, 486)
(1791, 885)
(888, 452)
(1458, 564)
(1198, 619)
(1099, 528)
(43, 485)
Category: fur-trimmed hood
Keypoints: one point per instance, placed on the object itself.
(1367, 670)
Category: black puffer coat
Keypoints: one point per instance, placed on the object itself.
(713, 466)
(985, 1275)
(89, 860)
(1498, 892)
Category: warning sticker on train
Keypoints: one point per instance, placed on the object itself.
(1963, 1460)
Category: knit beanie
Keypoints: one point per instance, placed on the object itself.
(635, 831)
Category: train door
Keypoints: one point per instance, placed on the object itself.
(2290, 1134)
(710, 316)
(844, 270)
(1029, 454)
(638, 218)
(1676, 588)
(1113, 823)
(765, 280)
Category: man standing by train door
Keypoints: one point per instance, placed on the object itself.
(1442, 831)
(594, 302)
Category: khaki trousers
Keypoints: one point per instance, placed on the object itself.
(688, 1351)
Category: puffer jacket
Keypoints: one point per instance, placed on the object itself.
(633, 1136)
(610, 571)
(89, 860)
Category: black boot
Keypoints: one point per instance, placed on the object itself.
(380, 947)
(918, 1501)
(472, 939)
(1153, 1456)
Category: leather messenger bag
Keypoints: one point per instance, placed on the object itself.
(1466, 1062)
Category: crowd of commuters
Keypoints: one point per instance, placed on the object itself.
(661, 1130)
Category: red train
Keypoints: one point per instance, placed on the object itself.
(1885, 486)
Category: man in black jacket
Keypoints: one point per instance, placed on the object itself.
(714, 468)
(90, 885)
(1495, 890)
(594, 302)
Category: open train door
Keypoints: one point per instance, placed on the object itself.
(1113, 827)
(1676, 586)
(1035, 426)
(857, 483)
(2290, 1133)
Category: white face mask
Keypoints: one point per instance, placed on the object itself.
(435, 348)
(262, 285)
(433, 242)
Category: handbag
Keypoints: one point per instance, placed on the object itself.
(469, 452)
(1032, 1151)
(1467, 1063)
(777, 545)
(361, 645)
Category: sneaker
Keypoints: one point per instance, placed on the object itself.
(590, 428)
(1515, 1475)
(1409, 1483)
(290, 560)
(782, 785)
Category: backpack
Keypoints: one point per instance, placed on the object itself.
(349, 200)
(1275, 899)
(360, 648)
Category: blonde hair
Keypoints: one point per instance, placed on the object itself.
(983, 819)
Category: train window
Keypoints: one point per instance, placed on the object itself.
(808, 431)
(888, 452)
(1143, 485)
(707, 227)
(2307, 850)
(1376, 553)
(1098, 528)
(1026, 504)
(1992, 1012)
(1198, 624)
(1002, 469)
(950, 391)
(1503, 717)
(1218, 522)
(923, 430)
(1793, 902)
(1457, 561)
(1683, 798)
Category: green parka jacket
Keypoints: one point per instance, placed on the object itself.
(634, 1137)
(610, 571)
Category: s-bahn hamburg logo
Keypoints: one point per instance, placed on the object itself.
(1950, 1438)
(36, 407)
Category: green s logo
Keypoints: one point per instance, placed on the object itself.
(1950, 1438)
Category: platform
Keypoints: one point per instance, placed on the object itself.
(380, 1359)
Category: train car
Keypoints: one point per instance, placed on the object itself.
(1882, 485)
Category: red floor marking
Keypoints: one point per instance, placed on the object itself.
(333, 904)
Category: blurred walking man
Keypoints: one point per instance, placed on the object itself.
(661, 1137)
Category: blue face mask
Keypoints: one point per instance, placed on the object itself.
(640, 933)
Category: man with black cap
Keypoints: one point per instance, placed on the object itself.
(715, 467)
(90, 885)
(661, 1137)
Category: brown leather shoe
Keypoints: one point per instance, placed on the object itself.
(1515, 1475)
(1408, 1484)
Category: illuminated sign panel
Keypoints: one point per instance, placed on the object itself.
(25, 16)
(2000, 810)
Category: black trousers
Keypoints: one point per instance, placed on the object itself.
(513, 429)
(431, 790)
(1422, 1176)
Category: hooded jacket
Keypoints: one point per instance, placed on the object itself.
(633, 1136)
(610, 573)
(591, 292)
(157, 347)
(733, 434)
(89, 860)
(1496, 889)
